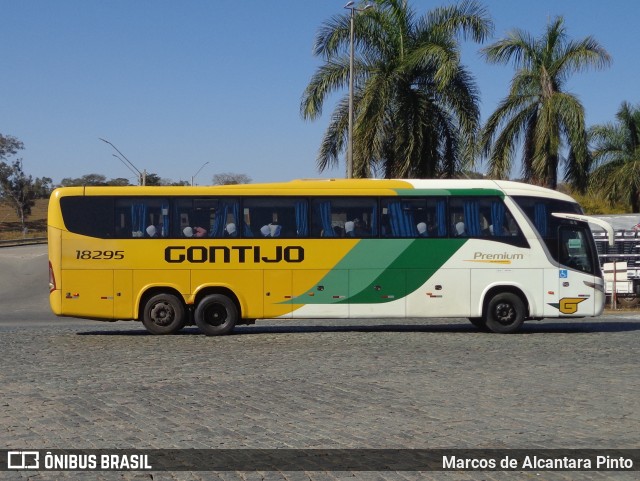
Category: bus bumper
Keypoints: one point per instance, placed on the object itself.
(599, 297)
(55, 301)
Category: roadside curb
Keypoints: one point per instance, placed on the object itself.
(22, 242)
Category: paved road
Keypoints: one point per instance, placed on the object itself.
(319, 384)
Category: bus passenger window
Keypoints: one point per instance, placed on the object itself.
(90, 216)
(401, 216)
(272, 217)
(142, 217)
(485, 217)
(345, 217)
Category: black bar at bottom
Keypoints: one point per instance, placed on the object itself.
(322, 460)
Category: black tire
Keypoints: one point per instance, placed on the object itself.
(505, 313)
(164, 314)
(216, 315)
(478, 322)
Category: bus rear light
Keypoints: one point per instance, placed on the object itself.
(52, 279)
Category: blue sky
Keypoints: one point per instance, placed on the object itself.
(176, 84)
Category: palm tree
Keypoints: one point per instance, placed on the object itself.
(616, 154)
(415, 106)
(538, 114)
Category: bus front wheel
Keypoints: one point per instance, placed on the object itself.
(216, 315)
(164, 314)
(505, 313)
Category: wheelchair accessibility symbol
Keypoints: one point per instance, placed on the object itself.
(564, 273)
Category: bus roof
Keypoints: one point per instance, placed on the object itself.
(326, 187)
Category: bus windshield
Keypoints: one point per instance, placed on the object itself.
(569, 242)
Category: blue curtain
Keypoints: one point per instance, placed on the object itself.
(497, 218)
(401, 220)
(324, 210)
(220, 220)
(374, 221)
(237, 218)
(394, 210)
(441, 217)
(540, 218)
(138, 218)
(302, 219)
(472, 218)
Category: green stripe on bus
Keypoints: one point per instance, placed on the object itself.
(450, 192)
(422, 258)
(419, 257)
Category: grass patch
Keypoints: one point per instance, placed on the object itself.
(36, 224)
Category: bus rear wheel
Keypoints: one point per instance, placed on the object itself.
(164, 314)
(216, 315)
(505, 313)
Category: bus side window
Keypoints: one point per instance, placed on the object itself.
(139, 217)
(90, 216)
(270, 217)
(345, 217)
(404, 217)
(486, 217)
(193, 217)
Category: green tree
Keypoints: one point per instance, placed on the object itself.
(415, 105)
(87, 179)
(177, 183)
(616, 156)
(9, 146)
(153, 179)
(18, 189)
(43, 187)
(538, 113)
(230, 178)
(119, 182)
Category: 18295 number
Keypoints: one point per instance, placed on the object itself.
(99, 255)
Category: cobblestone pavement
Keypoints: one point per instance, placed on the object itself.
(321, 384)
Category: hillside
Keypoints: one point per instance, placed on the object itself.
(10, 227)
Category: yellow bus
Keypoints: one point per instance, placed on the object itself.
(495, 252)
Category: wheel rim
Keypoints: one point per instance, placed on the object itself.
(215, 315)
(162, 314)
(505, 313)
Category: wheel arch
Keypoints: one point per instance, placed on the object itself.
(151, 291)
(500, 288)
(226, 291)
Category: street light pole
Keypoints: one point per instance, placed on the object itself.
(349, 6)
(194, 175)
(127, 166)
(142, 176)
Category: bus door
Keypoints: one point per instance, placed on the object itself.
(579, 271)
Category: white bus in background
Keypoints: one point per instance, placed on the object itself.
(621, 261)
